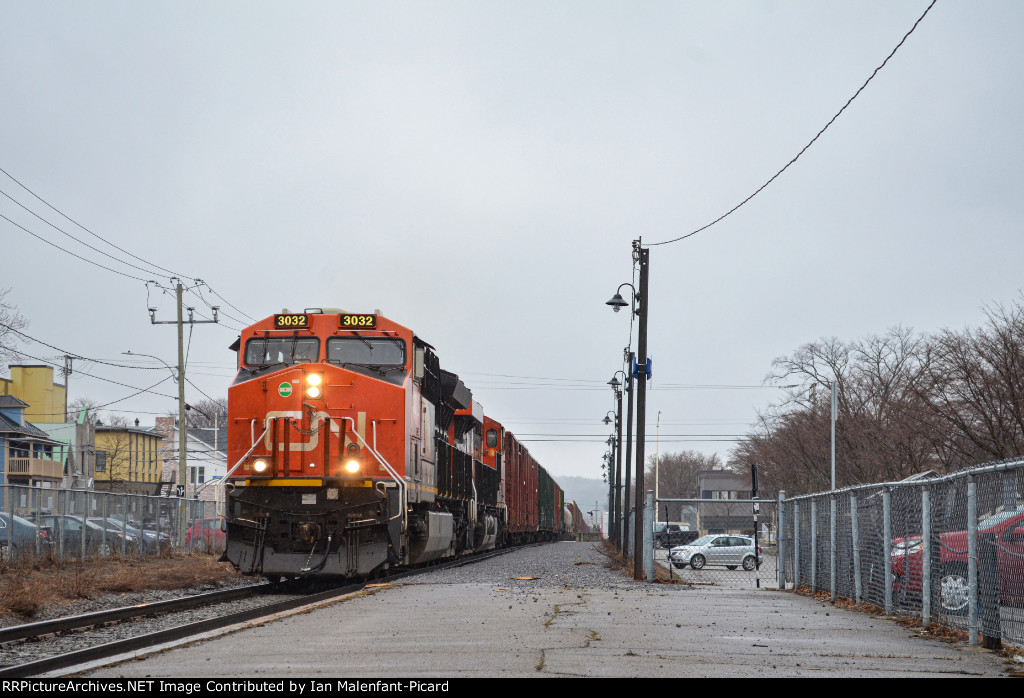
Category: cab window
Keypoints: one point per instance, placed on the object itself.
(267, 351)
(366, 351)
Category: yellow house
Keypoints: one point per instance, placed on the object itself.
(46, 401)
(128, 459)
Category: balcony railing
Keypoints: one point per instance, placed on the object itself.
(35, 467)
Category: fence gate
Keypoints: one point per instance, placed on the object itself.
(716, 545)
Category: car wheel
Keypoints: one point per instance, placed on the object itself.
(954, 590)
(748, 563)
(105, 550)
(730, 567)
(679, 565)
(697, 562)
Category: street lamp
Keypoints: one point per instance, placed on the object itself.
(182, 465)
(639, 306)
(620, 534)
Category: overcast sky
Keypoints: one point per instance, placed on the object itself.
(478, 170)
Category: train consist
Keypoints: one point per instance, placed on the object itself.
(354, 452)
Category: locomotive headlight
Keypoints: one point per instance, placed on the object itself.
(313, 383)
(352, 466)
(260, 466)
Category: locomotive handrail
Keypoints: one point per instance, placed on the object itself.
(403, 496)
(223, 480)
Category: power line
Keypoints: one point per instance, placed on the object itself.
(137, 278)
(806, 147)
(62, 214)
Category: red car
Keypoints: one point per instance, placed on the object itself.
(207, 535)
(1008, 529)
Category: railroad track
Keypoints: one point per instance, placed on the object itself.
(98, 647)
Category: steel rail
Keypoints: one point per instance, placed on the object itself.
(141, 642)
(95, 618)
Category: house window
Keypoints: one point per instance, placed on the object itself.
(101, 461)
(197, 475)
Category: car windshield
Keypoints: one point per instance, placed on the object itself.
(704, 540)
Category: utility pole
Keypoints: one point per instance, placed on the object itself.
(182, 433)
(642, 255)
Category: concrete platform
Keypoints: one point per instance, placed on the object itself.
(466, 626)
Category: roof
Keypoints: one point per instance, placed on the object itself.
(11, 401)
(9, 426)
(206, 435)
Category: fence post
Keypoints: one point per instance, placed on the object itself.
(39, 518)
(649, 536)
(780, 548)
(988, 594)
(796, 545)
(814, 546)
(9, 495)
(887, 548)
(926, 558)
(832, 545)
(858, 585)
(972, 560)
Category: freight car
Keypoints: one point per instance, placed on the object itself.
(354, 452)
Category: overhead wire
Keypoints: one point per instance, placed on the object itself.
(98, 237)
(806, 147)
(96, 249)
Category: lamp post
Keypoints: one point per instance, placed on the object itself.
(621, 529)
(640, 309)
(614, 481)
(605, 472)
(657, 451)
(182, 466)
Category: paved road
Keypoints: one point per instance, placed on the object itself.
(571, 617)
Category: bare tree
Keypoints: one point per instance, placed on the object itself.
(906, 403)
(11, 322)
(677, 476)
(205, 414)
(76, 406)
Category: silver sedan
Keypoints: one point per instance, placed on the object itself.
(715, 549)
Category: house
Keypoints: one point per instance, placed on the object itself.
(28, 456)
(128, 459)
(206, 458)
(719, 515)
(45, 407)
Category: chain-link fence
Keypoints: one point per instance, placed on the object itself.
(948, 550)
(63, 525)
(718, 545)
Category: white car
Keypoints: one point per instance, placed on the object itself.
(726, 549)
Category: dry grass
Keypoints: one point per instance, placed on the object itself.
(26, 588)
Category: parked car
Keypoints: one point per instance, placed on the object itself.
(70, 529)
(906, 557)
(148, 537)
(19, 534)
(668, 534)
(716, 549)
(206, 534)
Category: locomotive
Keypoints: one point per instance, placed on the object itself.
(355, 452)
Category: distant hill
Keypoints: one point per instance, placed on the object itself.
(585, 491)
